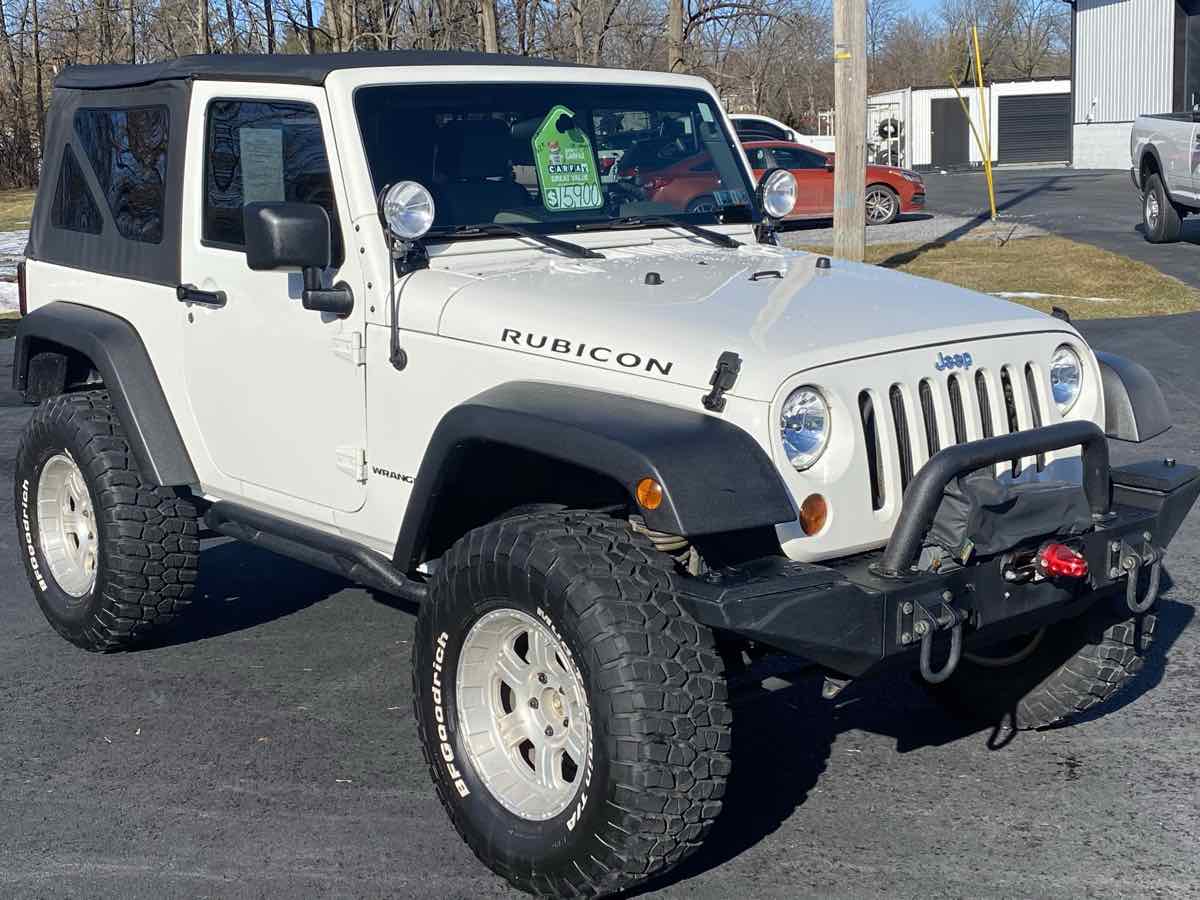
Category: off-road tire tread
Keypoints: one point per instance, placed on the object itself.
(1101, 652)
(667, 706)
(148, 534)
(1093, 675)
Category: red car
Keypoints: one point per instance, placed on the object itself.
(687, 184)
(890, 191)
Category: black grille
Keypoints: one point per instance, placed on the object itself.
(892, 467)
(985, 405)
(956, 411)
(866, 411)
(1010, 409)
(900, 418)
(1035, 409)
(932, 443)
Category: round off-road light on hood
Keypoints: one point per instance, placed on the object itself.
(408, 210)
(777, 193)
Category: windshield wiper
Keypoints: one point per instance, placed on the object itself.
(721, 240)
(504, 229)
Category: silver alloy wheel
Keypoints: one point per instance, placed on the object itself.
(1152, 210)
(523, 713)
(880, 204)
(67, 528)
(1020, 654)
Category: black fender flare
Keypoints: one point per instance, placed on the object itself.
(1151, 151)
(116, 350)
(1134, 407)
(715, 476)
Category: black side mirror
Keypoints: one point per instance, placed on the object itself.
(295, 236)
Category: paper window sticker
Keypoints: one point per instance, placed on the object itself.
(262, 165)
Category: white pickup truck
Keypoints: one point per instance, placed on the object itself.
(1164, 150)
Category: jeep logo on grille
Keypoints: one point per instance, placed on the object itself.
(946, 362)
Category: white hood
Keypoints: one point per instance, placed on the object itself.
(608, 312)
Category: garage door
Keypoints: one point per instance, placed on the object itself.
(1034, 129)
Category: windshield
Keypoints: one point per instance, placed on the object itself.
(555, 157)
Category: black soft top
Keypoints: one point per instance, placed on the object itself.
(286, 68)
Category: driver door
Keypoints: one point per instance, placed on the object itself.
(277, 391)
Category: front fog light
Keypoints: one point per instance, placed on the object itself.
(804, 427)
(1066, 378)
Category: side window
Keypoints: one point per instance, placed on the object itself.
(759, 158)
(128, 152)
(262, 152)
(796, 158)
(74, 207)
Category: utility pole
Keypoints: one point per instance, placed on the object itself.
(850, 128)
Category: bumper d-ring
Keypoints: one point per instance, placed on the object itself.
(951, 662)
(1136, 606)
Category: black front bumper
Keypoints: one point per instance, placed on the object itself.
(857, 614)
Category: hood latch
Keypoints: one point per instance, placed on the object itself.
(724, 376)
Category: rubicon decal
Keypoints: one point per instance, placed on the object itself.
(586, 352)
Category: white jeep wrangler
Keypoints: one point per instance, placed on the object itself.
(403, 317)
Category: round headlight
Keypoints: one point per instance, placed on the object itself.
(804, 427)
(1066, 377)
(408, 210)
(778, 193)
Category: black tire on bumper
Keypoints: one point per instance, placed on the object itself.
(1075, 665)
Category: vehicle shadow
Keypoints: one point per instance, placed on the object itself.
(240, 587)
(803, 225)
(1190, 233)
(782, 743)
(1056, 184)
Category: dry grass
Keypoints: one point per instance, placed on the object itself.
(1088, 282)
(15, 209)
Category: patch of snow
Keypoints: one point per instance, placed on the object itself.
(1034, 295)
(12, 249)
(13, 242)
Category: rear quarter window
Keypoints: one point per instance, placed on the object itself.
(127, 149)
(74, 208)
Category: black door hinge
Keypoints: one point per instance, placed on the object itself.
(724, 376)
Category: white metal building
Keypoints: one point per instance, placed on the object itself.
(1029, 122)
(1130, 57)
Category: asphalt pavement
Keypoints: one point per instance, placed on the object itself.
(266, 748)
(1096, 207)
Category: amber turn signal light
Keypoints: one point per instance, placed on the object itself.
(813, 512)
(649, 494)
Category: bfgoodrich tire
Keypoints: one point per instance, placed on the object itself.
(1055, 674)
(110, 558)
(568, 620)
(1160, 217)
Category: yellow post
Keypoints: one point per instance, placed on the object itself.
(986, 114)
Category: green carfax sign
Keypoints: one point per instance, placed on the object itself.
(566, 166)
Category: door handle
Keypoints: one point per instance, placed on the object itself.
(189, 293)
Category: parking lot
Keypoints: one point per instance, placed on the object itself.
(1100, 208)
(267, 748)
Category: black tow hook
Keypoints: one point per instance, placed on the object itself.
(951, 620)
(1133, 563)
